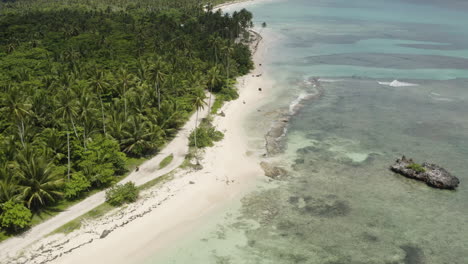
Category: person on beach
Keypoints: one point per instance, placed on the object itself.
(137, 168)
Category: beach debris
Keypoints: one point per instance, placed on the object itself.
(191, 182)
(272, 171)
(433, 175)
(260, 89)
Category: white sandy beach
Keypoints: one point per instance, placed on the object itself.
(166, 213)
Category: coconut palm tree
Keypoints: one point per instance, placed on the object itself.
(67, 110)
(9, 188)
(17, 108)
(214, 81)
(141, 136)
(199, 103)
(39, 184)
(86, 113)
(228, 50)
(156, 76)
(99, 85)
(125, 79)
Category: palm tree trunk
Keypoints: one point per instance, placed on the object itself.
(103, 117)
(159, 98)
(125, 102)
(196, 121)
(68, 147)
(84, 137)
(227, 59)
(74, 127)
(21, 132)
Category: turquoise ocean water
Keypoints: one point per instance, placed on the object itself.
(340, 204)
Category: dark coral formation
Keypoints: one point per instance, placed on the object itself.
(429, 173)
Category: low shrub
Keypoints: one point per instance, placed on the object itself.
(77, 185)
(120, 194)
(15, 216)
(227, 93)
(416, 167)
(206, 135)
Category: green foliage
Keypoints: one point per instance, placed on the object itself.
(416, 167)
(101, 161)
(15, 216)
(86, 84)
(120, 194)
(206, 135)
(77, 185)
(166, 161)
(243, 58)
(39, 181)
(227, 93)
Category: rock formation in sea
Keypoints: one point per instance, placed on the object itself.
(433, 175)
(272, 171)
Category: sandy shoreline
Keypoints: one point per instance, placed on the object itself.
(165, 213)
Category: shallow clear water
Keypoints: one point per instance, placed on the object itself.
(340, 203)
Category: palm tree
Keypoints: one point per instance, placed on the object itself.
(67, 109)
(141, 136)
(125, 80)
(156, 76)
(52, 139)
(214, 79)
(86, 110)
(228, 50)
(199, 103)
(8, 183)
(37, 179)
(17, 107)
(99, 84)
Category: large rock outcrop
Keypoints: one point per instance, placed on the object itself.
(429, 173)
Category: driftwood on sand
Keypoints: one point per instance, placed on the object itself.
(429, 173)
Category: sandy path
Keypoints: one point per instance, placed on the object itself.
(148, 171)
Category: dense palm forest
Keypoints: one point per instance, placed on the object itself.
(85, 85)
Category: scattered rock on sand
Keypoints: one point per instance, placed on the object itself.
(429, 173)
(105, 233)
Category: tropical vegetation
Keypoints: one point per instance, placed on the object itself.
(122, 193)
(205, 135)
(85, 85)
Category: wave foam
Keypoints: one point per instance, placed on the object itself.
(396, 83)
(293, 107)
(328, 80)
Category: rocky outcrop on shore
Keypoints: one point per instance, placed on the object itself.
(433, 175)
